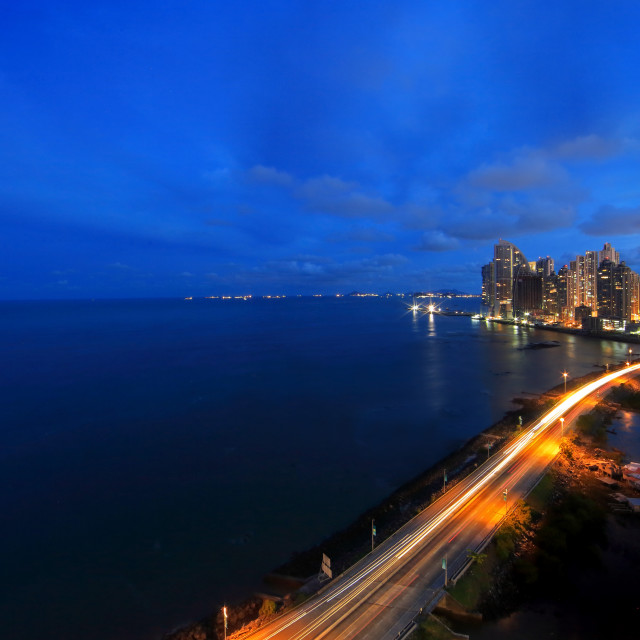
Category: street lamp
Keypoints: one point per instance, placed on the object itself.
(565, 374)
(562, 427)
(224, 613)
(373, 533)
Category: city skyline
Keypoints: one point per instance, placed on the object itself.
(594, 291)
(270, 148)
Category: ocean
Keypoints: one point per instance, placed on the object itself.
(158, 457)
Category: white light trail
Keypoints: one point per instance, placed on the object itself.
(401, 547)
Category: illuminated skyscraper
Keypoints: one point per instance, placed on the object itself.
(605, 289)
(544, 267)
(608, 253)
(595, 284)
(565, 286)
(508, 261)
(579, 281)
(489, 285)
(591, 280)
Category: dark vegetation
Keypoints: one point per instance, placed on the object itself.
(559, 532)
(627, 395)
(571, 536)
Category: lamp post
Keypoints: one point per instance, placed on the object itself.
(373, 533)
(565, 374)
(562, 427)
(224, 613)
(444, 568)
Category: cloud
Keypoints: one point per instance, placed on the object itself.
(610, 220)
(270, 175)
(419, 217)
(437, 241)
(509, 216)
(321, 271)
(525, 172)
(335, 196)
(325, 187)
(530, 192)
(361, 234)
(586, 148)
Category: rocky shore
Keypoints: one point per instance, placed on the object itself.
(292, 582)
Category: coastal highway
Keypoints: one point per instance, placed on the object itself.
(381, 595)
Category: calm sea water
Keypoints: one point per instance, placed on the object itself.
(159, 456)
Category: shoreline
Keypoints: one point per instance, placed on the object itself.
(295, 580)
(615, 336)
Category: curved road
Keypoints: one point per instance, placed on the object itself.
(379, 596)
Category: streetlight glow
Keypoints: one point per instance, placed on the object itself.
(224, 613)
(565, 374)
(562, 427)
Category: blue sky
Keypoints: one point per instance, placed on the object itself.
(204, 148)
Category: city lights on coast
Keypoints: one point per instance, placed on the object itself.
(596, 292)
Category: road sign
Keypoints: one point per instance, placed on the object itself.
(444, 563)
(325, 568)
(504, 494)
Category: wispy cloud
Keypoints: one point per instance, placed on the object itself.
(270, 175)
(437, 241)
(609, 220)
(587, 147)
(526, 171)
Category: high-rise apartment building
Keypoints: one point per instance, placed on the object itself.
(565, 286)
(591, 280)
(550, 295)
(508, 261)
(489, 285)
(544, 267)
(527, 292)
(635, 296)
(608, 253)
(623, 283)
(579, 281)
(606, 308)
